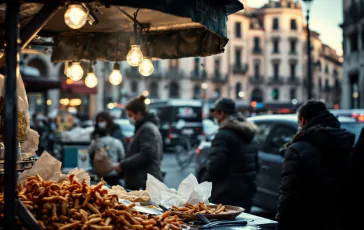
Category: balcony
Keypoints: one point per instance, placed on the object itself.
(257, 50)
(293, 81)
(256, 80)
(199, 76)
(293, 52)
(240, 68)
(275, 80)
(219, 78)
(175, 73)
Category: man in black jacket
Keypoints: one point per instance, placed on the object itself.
(232, 165)
(314, 171)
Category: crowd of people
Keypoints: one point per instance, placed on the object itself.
(320, 173)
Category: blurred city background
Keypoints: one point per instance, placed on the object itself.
(264, 69)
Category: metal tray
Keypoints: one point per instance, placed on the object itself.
(20, 165)
(233, 212)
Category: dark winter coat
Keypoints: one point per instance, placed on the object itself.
(313, 177)
(233, 163)
(144, 154)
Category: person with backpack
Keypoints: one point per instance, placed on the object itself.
(105, 121)
(145, 151)
(105, 152)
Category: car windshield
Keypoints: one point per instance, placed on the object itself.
(354, 128)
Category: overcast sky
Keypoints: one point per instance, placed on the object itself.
(326, 16)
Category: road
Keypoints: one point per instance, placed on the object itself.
(174, 176)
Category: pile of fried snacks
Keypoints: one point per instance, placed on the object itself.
(200, 208)
(74, 205)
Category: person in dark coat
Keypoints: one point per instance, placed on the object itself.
(233, 160)
(105, 123)
(315, 167)
(145, 150)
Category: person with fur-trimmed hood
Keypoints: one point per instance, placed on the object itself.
(233, 160)
(314, 174)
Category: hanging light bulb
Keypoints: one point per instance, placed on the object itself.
(75, 16)
(91, 79)
(146, 68)
(135, 56)
(68, 72)
(76, 71)
(115, 77)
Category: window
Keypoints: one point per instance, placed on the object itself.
(293, 44)
(256, 70)
(280, 135)
(196, 92)
(354, 42)
(275, 94)
(217, 66)
(256, 44)
(293, 70)
(275, 46)
(326, 69)
(238, 58)
(174, 90)
(293, 24)
(276, 70)
(238, 89)
(327, 85)
(320, 83)
(197, 66)
(292, 94)
(134, 87)
(237, 29)
(275, 24)
(154, 90)
(173, 64)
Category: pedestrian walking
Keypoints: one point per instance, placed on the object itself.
(233, 160)
(105, 152)
(104, 121)
(314, 171)
(145, 150)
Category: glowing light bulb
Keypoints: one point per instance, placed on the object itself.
(91, 80)
(146, 68)
(115, 77)
(135, 56)
(68, 72)
(75, 16)
(76, 71)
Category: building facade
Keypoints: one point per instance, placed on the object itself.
(353, 44)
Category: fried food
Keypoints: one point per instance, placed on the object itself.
(200, 208)
(83, 207)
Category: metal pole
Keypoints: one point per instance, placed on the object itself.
(11, 102)
(309, 58)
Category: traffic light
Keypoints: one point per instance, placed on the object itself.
(275, 94)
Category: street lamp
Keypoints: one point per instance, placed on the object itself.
(309, 60)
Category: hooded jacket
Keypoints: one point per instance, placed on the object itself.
(144, 154)
(313, 176)
(233, 163)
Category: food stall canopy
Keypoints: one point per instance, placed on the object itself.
(172, 29)
(39, 84)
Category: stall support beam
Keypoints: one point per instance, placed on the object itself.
(11, 102)
(37, 23)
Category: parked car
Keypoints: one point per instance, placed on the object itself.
(127, 129)
(274, 132)
(175, 111)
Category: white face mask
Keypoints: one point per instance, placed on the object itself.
(216, 121)
(132, 120)
(102, 124)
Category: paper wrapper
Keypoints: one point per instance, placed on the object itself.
(133, 196)
(189, 191)
(49, 168)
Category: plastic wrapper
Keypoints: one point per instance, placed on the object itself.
(29, 148)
